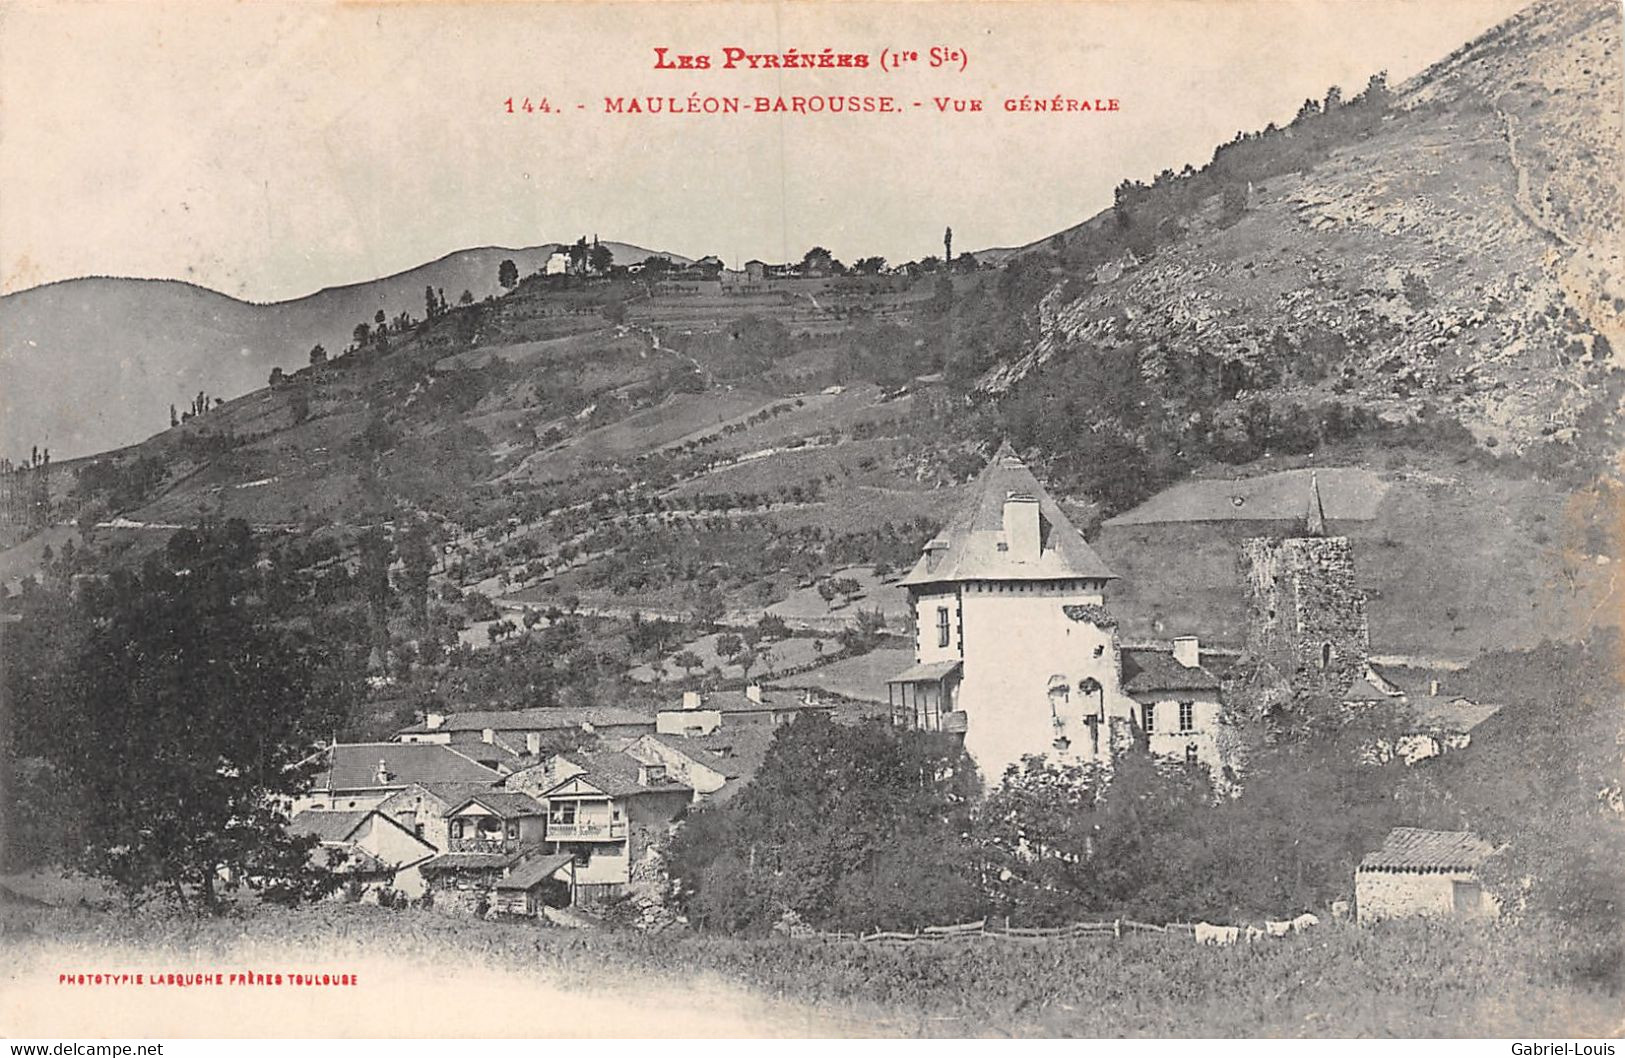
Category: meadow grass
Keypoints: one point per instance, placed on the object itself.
(1405, 980)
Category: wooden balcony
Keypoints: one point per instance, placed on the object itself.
(588, 830)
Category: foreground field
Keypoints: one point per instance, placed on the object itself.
(1413, 981)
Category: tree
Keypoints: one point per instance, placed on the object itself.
(431, 303)
(843, 827)
(189, 710)
(508, 274)
(600, 258)
(275, 380)
(817, 261)
(688, 661)
(361, 333)
(380, 320)
(466, 298)
(870, 266)
(417, 562)
(373, 574)
(318, 355)
(729, 645)
(708, 608)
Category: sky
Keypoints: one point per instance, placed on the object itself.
(268, 150)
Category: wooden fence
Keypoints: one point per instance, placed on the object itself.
(984, 929)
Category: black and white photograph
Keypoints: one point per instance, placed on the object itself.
(744, 520)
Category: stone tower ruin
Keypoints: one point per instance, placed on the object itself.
(1307, 631)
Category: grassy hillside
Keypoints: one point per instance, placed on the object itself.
(132, 347)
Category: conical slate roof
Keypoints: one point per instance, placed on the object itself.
(968, 548)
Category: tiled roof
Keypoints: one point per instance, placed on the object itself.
(560, 719)
(728, 768)
(616, 774)
(1410, 849)
(929, 672)
(354, 766)
(467, 861)
(533, 872)
(453, 793)
(1146, 670)
(974, 536)
(740, 702)
(326, 825)
(1363, 691)
(507, 804)
(1453, 713)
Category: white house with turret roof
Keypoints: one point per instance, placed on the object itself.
(1015, 648)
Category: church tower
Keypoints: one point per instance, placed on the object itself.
(1307, 628)
(1014, 646)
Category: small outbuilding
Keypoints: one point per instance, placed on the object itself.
(1424, 872)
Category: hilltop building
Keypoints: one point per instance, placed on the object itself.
(1014, 646)
(1307, 628)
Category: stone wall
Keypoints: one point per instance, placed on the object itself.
(1307, 624)
(1381, 895)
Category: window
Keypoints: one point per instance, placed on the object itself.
(563, 812)
(583, 855)
(1325, 655)
(1187, 716)
(942, 626)
(417, 828)
(1150, 717)
(457, 828)
(513, 829)
(1190, 753)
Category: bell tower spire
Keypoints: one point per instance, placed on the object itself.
(1315, 517)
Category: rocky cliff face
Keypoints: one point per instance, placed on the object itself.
(1463, 253)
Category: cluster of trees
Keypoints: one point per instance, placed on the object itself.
(871, 827)
(198, 405)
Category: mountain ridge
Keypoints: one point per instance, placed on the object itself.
(134, 345)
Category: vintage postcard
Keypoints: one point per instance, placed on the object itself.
(747, 519)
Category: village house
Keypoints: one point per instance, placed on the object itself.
(495, 859)
(522, 881)
(496, 821)
(366, 848)
(558, 263)
(1423, 873)
(1179, 702)
(525, 731)
(609, 811)
(707, 773)
(704, 714)
(1437, 723)
(422, 807)
(363, 775)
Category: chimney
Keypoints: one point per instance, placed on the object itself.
(433, 721)
(1433, 688)
(691, 699)
(533, 743)
(381, 776)
(1021, 527)
(754, 693)
(1188, 651)
(488, 735)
